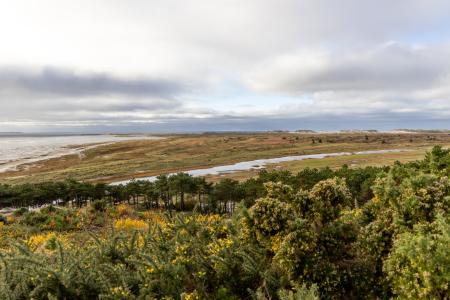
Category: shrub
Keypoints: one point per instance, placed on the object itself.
(299, 293)
(44, 241)
(20, 212)
(57, 219)
(419, 264)
(303, 238)
(124, 210)
(130, 224)
(49, 209)
(99, 205)
(34, 218)
(3, 219)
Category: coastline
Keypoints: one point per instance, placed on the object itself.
(59, 151)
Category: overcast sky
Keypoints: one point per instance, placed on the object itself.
(198, 65)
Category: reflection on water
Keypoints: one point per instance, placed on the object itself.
(261, 163)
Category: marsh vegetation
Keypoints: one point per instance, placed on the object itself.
(176, 153)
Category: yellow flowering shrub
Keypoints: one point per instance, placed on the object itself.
(119, 291)
(124, 210)
(45, 241)
(211, 222)
(218, 245)
(182, 254)
(129, 224)
(275, 242)
(154, 217)
(190, 296)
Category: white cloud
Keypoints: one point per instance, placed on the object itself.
(388, 78)
(390, 66)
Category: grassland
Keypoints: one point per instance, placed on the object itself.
(353, 161)
(134, 159)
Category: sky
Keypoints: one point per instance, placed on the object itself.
(207, 65)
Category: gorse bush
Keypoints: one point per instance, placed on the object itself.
(418, 266)
(20, 212)
(3, 219)
(188, 254)
(52, 219)
(317, 235)
(130, 224)
(99, 205)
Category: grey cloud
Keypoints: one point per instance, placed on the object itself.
(97, 105)
(391, 66)
(54, 98)
(54, 82)
(56, 94)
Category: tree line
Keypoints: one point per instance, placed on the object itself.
(181, 191)
(184, 192)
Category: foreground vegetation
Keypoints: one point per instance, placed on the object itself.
(369, 233)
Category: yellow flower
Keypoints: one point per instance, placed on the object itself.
(140, 242)
(215, 247)
(130, 224)
(191, 296)
(181, 249)
(201, 274)
(119, 291)
(276, 242)
(39, 240)
(155, 218)
(124, 210)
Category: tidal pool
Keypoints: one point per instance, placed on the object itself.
(261, 163)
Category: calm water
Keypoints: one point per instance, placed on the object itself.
(261, 163)
(18, 149)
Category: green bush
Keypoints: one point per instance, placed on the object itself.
(419, 264)
(20, 212)
(34, 218)
(51, 219)
(99, 206)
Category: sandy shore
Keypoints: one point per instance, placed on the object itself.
(31, 159)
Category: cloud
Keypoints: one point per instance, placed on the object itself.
(200, 63)
(390, 66)
(53, 82)
(408, 82)
(70, 97)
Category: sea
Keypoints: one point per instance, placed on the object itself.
(20, 148)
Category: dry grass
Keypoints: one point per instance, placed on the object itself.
(353, 161)
(133, 159)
